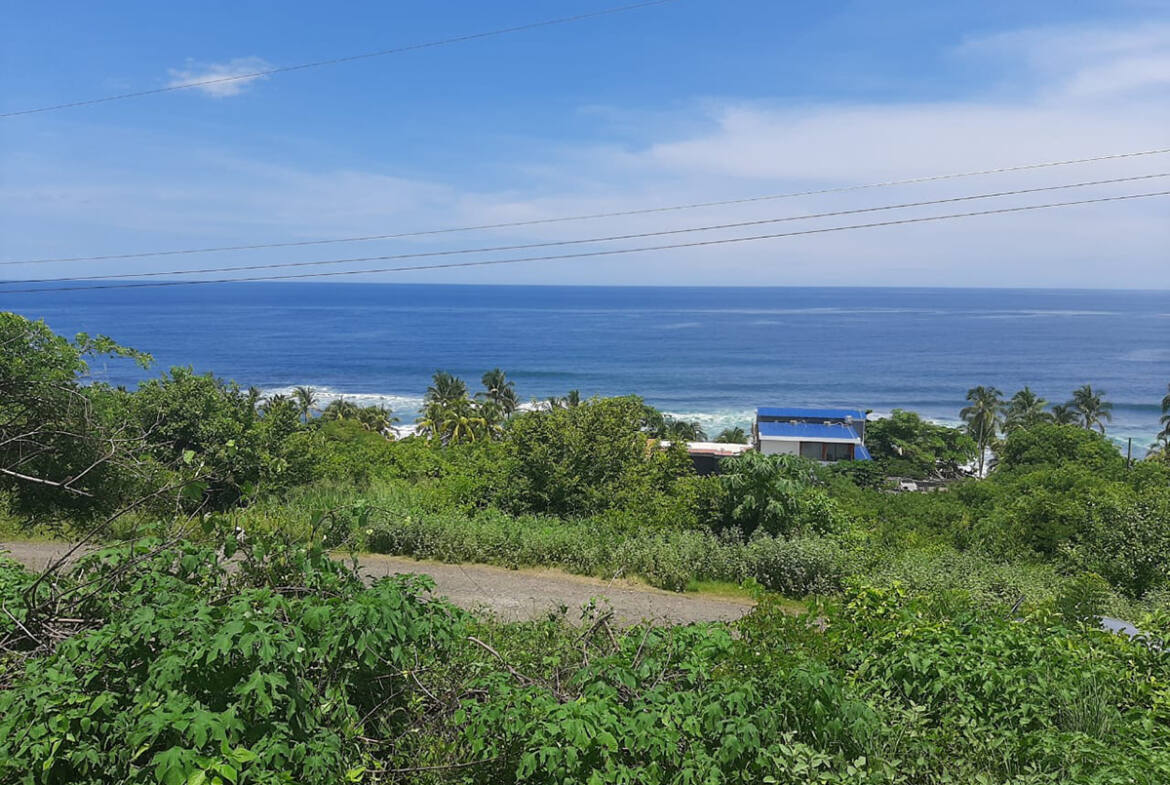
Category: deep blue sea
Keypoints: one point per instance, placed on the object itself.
(712, 354)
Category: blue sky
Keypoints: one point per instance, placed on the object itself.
(694, 100)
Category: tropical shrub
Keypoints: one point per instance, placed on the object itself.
(585, 459)
(777, 494)
(905, 445)
(292, 671)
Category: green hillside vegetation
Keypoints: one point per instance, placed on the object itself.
(950, 636)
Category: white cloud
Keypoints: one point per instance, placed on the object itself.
(1080, 62)
(219, 80)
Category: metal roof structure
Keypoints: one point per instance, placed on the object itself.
(808, 431)
(790, 413)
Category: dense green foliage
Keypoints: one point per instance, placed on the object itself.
(586, 458)
(290, 669)
(222, 644)
(905, 445)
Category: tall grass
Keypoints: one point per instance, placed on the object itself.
(418, 520)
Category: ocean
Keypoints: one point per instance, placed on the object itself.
(710, 354)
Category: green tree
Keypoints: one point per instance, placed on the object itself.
(735, 435)
(1094, 411)
(680, 430)
(340, 409)
(568, 401)
(1064, 414)
(213, 422)
(306, 398)
(445, 389)
(983, 418)
(272, 402)
(1050, 445)
(905, 445)
(1024, 410)
(67, 447)
(500, 391)
(378, 419)
(775, 494)
(451, 417)
(1165, 419)
(586, 459)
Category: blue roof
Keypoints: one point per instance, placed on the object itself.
(788, 413)
(808, 431)
(861, 453)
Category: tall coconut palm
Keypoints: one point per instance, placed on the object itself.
(500, 391)
(376, 418)
(983, 418)
(1160, 449)
(735, 435)
(683, 430)
(459, 421)
(273, 402)
(445, 389)
(1165, 434)
(1064, 414)
(306, 398)
(341, 409)
(1024, 410)
(1092, 407)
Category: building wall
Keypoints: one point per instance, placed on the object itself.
(774, 447)
(777, 447)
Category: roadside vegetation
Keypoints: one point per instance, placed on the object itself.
(950, 635)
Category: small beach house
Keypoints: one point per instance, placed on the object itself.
(824, 435)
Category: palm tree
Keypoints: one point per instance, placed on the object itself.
(445, 389)
(734, 435)
(376, 418)
(1165, 434)
(983, 418)
(272, 402)
(459, 421)
(682, 430)
(570, 401)
(341, 409)
(1064, 414)
(306, 398)
(1024, 410)
(1092, 407)
(500, 391)
(1160, 449)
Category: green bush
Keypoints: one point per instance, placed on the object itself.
(192, 679)
(1050, 445)
(586, 459)
(776, 494)
(798, 567)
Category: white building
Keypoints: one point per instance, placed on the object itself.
(824, 435)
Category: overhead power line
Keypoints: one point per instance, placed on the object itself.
(587, 254)
(587, 240)
(588, 216)
(347, 59)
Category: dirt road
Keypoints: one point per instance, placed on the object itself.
(508, 594)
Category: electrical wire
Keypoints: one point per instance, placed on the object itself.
(587, 240)
(338, 60)
(590, 216)
(586, 254)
